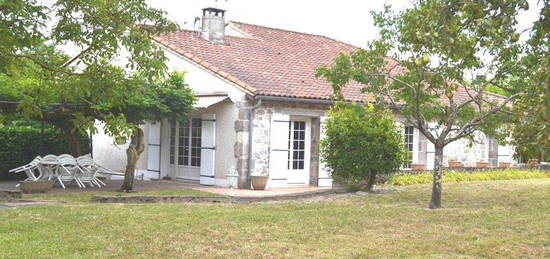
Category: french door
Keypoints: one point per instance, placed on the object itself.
(298, 151)
(185, 148)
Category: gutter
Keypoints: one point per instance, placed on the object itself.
(311, 101)
(292, 99)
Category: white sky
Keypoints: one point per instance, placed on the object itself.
(345, 20)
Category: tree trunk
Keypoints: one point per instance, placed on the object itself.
(370, 182)
(75, 146)
(133, 153)
(435, 203)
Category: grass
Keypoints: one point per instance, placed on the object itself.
(480, 219)
(87, 196)
(462, 176)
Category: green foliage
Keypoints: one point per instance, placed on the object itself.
(72, 91)
(20, 145)
(361, 142)
(458, 176)
(531, 132)
(100, 29)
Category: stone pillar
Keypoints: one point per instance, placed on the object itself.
(260, 142)
(241, 143)
(314, 153)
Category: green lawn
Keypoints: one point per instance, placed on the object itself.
(480, 219)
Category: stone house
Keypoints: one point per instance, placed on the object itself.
(260, 110)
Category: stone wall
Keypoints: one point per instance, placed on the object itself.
(261, 135)
(8, 195)
(314, 154)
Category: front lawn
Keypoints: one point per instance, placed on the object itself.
(480, 219)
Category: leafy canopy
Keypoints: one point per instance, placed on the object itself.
(531, 132)
(71, 62)
(99, 30)
(432, 54)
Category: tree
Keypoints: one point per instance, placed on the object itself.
(433, 62)
(166, 99)
(531, 131)
(361, 142)
(39, 72)
(64, 89)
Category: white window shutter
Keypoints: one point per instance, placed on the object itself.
(430, 148)
(325, 180)
(278, 159)
(505, 153)
(208, 149)
(153, 150)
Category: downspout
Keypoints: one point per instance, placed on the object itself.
(251, 110)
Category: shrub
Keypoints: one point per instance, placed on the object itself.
(457, 176)
(20, 145)
(361, 142)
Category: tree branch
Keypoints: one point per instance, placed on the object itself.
(469, 127)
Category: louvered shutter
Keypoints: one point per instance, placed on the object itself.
(153, 150)
(278, 159)
(422, 148)
(325, 179)
(208, 149)
(430, 148)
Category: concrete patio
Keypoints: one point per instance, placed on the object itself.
(179, 184)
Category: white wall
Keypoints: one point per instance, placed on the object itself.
(466, 152)
(106, 153)
(112, 156)
(469, 153)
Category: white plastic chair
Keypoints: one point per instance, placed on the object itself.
(99, 169)
(48, 168)
(68, 170)
(30, 170)
(89, 171)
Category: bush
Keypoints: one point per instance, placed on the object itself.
(361, 142)
(454, 176)
(20, 145)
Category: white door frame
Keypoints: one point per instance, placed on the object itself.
(181, 171)
(299, 176)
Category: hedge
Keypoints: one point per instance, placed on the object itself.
(461, 176)
(20, 144)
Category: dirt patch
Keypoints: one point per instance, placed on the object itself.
(24, 203)
(324, 194)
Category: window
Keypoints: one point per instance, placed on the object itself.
(409, 137)
(196, 126)
(187, 136)
(296, 145)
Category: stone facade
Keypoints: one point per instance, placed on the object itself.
(261, 136)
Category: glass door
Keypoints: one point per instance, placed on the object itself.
(185, 148)
(299, 151)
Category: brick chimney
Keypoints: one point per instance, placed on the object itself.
(213, 25)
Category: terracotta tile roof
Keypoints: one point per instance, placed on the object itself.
(271, 61)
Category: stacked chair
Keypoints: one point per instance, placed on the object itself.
(65, 169)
